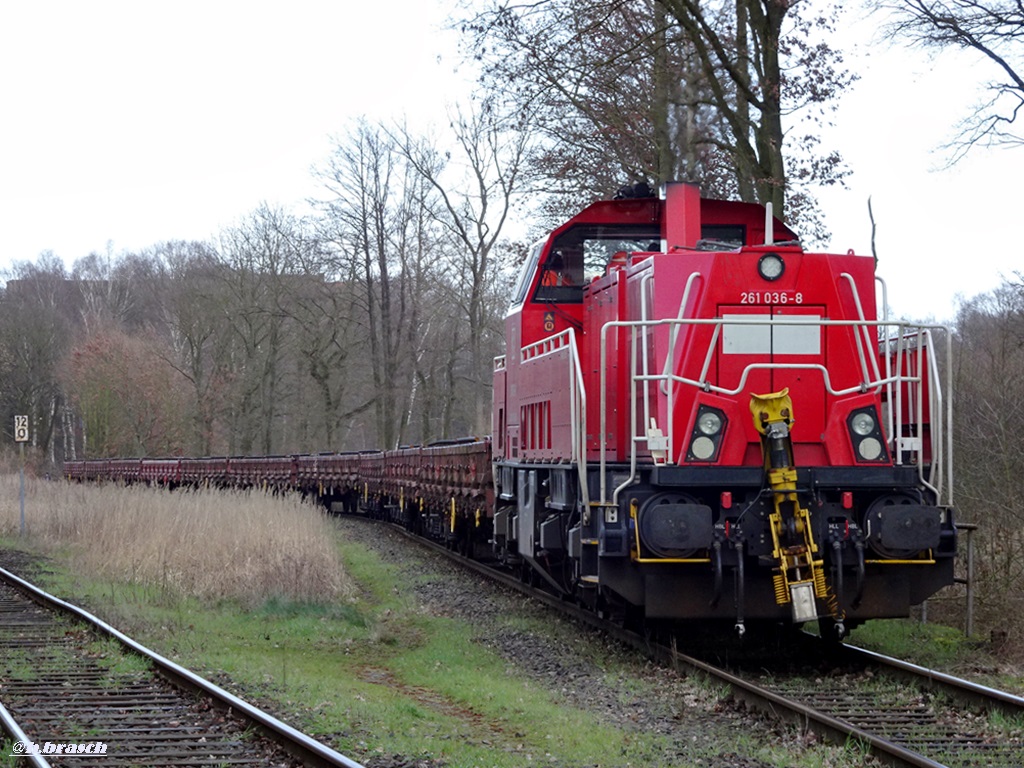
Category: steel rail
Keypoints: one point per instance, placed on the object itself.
(836, 730)
(10, 726)
(307, 749)
(964, 690)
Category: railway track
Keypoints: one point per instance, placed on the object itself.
(902, 714)
(76, 692)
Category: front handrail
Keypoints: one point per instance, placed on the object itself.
(579, 420)
(565, 341)
(872, 380)
(861, 336)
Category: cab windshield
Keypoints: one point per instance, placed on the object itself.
(584, 252)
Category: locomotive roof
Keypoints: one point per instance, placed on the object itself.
(651, 212)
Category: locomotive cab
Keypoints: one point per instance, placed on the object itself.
(641, 454)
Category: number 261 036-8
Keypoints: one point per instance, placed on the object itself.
(771, 297)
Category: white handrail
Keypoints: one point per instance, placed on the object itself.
(868, 341)
(565, 341)
(578, 423)
(894, 381)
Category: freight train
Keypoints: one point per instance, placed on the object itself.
(695, 420)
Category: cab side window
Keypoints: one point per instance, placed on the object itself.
(561, 278)
(526, 274)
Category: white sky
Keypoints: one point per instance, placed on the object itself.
(135, 122)
(941, 233)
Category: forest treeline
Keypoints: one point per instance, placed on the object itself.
(368, 324)
(988, 453)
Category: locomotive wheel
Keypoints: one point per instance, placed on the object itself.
(832, 631)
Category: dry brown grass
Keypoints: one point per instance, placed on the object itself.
(210, 544)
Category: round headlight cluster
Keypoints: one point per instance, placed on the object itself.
(771, 266)
(706, 437)
(866, 435)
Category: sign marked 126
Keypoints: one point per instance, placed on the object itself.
(21, 429)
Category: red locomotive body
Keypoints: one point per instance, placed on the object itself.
(689, 398)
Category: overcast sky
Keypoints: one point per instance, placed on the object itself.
(941, 232)
(137, 122)
(134, 122)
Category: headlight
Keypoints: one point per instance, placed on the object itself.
(710, 423)
(703, 448)
(771, 266)
(862, 423)
(869, 449)
(706, 437)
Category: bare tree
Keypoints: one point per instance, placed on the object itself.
(106, 301)
(366, 221)
(330, 342)
(145, 279)
(199, 329)
(992, 29)
(476, 188)
(38, 310)
(671, 89)
(742, 50)
(260, 256)
(610, 86)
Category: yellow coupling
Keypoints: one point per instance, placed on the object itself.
(799, 578)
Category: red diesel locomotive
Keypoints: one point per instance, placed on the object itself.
(694, 420)
(697, 419)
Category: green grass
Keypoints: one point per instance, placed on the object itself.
(281, 608)
(1006, 722)
(930, 645)
(7, 760)
(18, 664)
(378, 675)
(109, 655)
